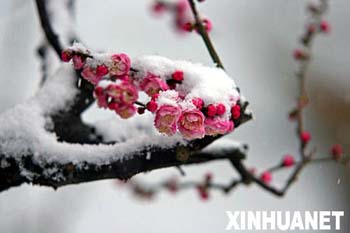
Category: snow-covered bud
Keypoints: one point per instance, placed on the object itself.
(178, 75)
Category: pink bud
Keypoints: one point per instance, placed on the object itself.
(211, 110)
(66, 55)
(266, 177)
(305, 137)
(188, 27)
(208, 26)
(220, 109)
(113, 106)
(101, 70)
(159, 7)
(299, 54)
(198, 102)
(325, 27)
(99, 91)
(337, 151)
(203, 192)
(236, 112)
(288, 161)
(152, 106)
(178, 75)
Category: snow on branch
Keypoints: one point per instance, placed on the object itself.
(31, 151)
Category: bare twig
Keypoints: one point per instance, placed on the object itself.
(207, 41)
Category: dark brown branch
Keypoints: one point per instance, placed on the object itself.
(51, 36)
(66, 174)
(85, 97)
(207, 41)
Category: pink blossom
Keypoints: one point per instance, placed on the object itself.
(101, 97)
(126, 111)
(129, 93)
(166, 118)
(191, 124)
(152, 85)
(120, 64)
(124, 92)
(89, 74)
(78, 62)
(114, 91)
(215, 126)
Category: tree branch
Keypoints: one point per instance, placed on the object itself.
(30, 169)
(199, 25)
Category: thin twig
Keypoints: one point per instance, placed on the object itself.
(199, 25)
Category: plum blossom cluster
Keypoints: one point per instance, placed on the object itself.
(185, 98)
(180, 9)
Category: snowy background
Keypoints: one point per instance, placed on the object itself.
(255, 39)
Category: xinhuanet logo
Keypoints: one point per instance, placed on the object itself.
(284, 220)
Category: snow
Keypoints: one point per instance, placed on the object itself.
(212, 84)
(24, 129)
(225, 144)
